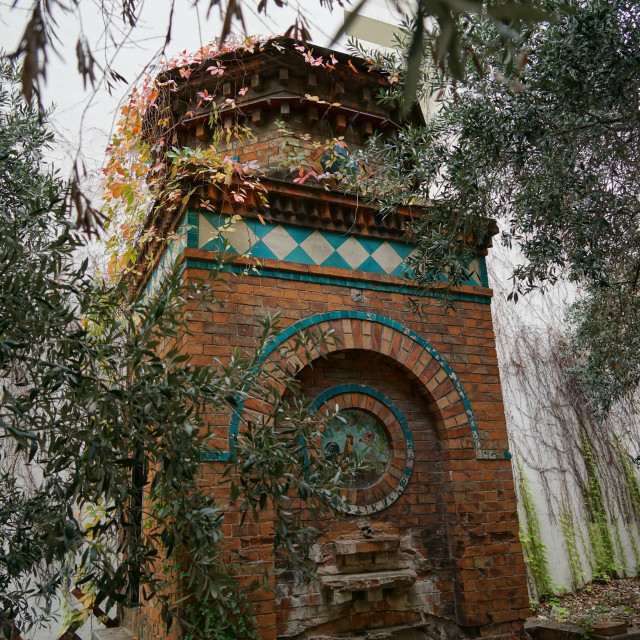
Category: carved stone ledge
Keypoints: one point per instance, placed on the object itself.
(395, 579)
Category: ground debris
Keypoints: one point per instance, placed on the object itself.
(615, 600)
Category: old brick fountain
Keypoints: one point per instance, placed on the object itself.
(429, 547)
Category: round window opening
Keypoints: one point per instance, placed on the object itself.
(358, 436)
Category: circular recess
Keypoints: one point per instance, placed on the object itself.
(371, 428)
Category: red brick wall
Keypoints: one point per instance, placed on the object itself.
(455, 525)
(458, 513)
(418, 517)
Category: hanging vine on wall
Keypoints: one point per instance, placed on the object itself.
(548, 419)
(151, 169)
(571, 543)
(598, 527)
(147, 172)
(535, 551)
(633, 487)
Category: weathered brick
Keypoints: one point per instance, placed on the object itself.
(457, 512)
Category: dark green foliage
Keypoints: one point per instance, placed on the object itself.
(209, 620)
(604, 344)
(549, 146)
(98, 402)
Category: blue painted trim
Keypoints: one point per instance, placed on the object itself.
(354, 283)
(301, 325)
(484, 276)
(192, 219)
(371, 266)
(335, 239)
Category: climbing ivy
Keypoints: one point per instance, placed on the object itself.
(149, 171)
(535, 551)
(569, 533)
(633, 488)
(598, 527)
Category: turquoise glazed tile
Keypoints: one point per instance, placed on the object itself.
(336, 240)
(336, 260)
(260, 250)
(216, 244)
(401, 270)
(363, 246)
(298, 255)
(370, 244)
(261, 230)
(403, 248)
(339, 281)
(370, 266)
(299, 234)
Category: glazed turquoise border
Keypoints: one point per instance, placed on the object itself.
(267, 272)
(398, 490)
(189, 227)
(305, 323)
(333, 238)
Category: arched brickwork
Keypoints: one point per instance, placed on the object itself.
(419, 359)
(395, 478)
(409, 351)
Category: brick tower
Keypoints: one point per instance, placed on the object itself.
(429, 547)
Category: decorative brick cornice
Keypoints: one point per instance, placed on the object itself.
(280, 82)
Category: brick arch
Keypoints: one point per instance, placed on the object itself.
(379, 334)
(408, 350)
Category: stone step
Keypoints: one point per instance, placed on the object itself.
(381, 633)
(374, 580)
(380, 544)
(117, 633)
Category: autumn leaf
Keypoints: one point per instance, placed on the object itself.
(205, 95)
(116, 188)
(217, 70)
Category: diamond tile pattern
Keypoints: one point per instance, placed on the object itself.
(317, 247)
(309, 246)
(353, 253)
(279, 242)
(387, 257)
(240, 236)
